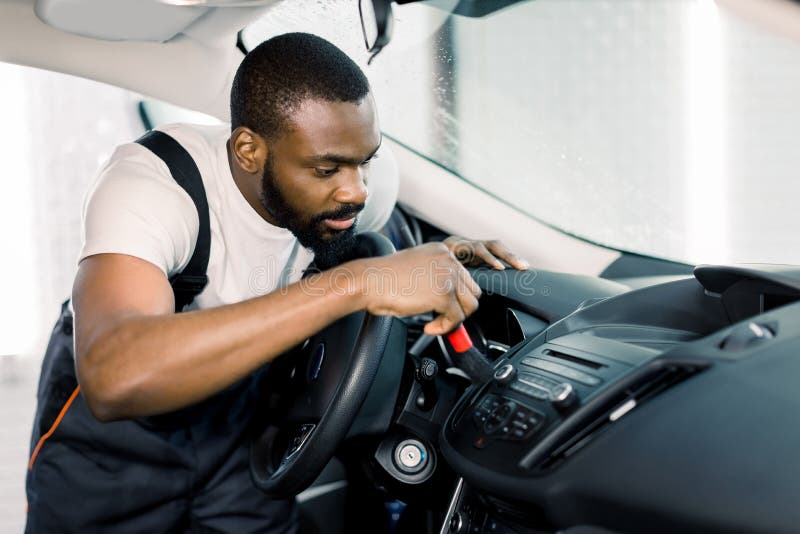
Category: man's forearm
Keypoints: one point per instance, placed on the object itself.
(145, 365)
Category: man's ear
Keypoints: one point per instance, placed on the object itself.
(249, 150)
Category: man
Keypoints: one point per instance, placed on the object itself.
(292, 169)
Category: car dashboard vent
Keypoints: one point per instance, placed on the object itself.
(597, 415)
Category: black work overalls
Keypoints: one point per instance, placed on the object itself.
(183, 472)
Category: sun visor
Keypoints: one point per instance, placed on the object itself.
(118, 20)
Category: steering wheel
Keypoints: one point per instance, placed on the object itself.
(326, 384)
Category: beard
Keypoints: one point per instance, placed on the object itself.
(310, 232)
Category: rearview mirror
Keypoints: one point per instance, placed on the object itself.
(376, 24)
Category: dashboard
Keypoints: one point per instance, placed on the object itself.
(668, 408)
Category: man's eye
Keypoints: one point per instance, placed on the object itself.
(325, 172)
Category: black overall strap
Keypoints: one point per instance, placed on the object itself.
(187, 284)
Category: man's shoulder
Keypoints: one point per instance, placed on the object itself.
(133, 161)
(137, 175)
(199, 136)
(135, 207)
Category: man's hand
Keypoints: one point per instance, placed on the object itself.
(475, 253)
(418, 280)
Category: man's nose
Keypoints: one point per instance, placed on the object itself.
(353, 187)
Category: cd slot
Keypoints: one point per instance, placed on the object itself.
(573, 359)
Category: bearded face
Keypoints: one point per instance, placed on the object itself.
(330, 246)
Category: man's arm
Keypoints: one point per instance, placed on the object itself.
(135, 357)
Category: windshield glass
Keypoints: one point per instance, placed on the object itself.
(657, 127)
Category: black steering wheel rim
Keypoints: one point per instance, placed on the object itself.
(280, 474)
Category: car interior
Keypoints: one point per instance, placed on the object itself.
(630, 390)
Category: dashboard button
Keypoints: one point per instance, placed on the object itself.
(480, 442)
(522, 426)
(491, 425)
(538, 382)
(497, 420)
(561, 370)
(528, 390)
(489, 403)
(479, 417)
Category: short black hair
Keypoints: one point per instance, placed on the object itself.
(279, 74)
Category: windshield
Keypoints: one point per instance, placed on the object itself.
(663, 128)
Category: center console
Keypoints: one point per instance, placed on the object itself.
(542, 399)
(546, 402)
(622, 413)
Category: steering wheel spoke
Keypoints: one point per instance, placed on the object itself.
(297, 442)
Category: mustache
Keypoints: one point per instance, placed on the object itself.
(346, 211)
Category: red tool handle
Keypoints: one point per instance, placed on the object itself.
(459, 339)
(470, 360)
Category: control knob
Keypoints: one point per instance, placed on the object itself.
(563, 395)
(504, 374)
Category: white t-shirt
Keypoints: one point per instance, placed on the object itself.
(135, 207)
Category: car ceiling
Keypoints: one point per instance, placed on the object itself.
(185, 55)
